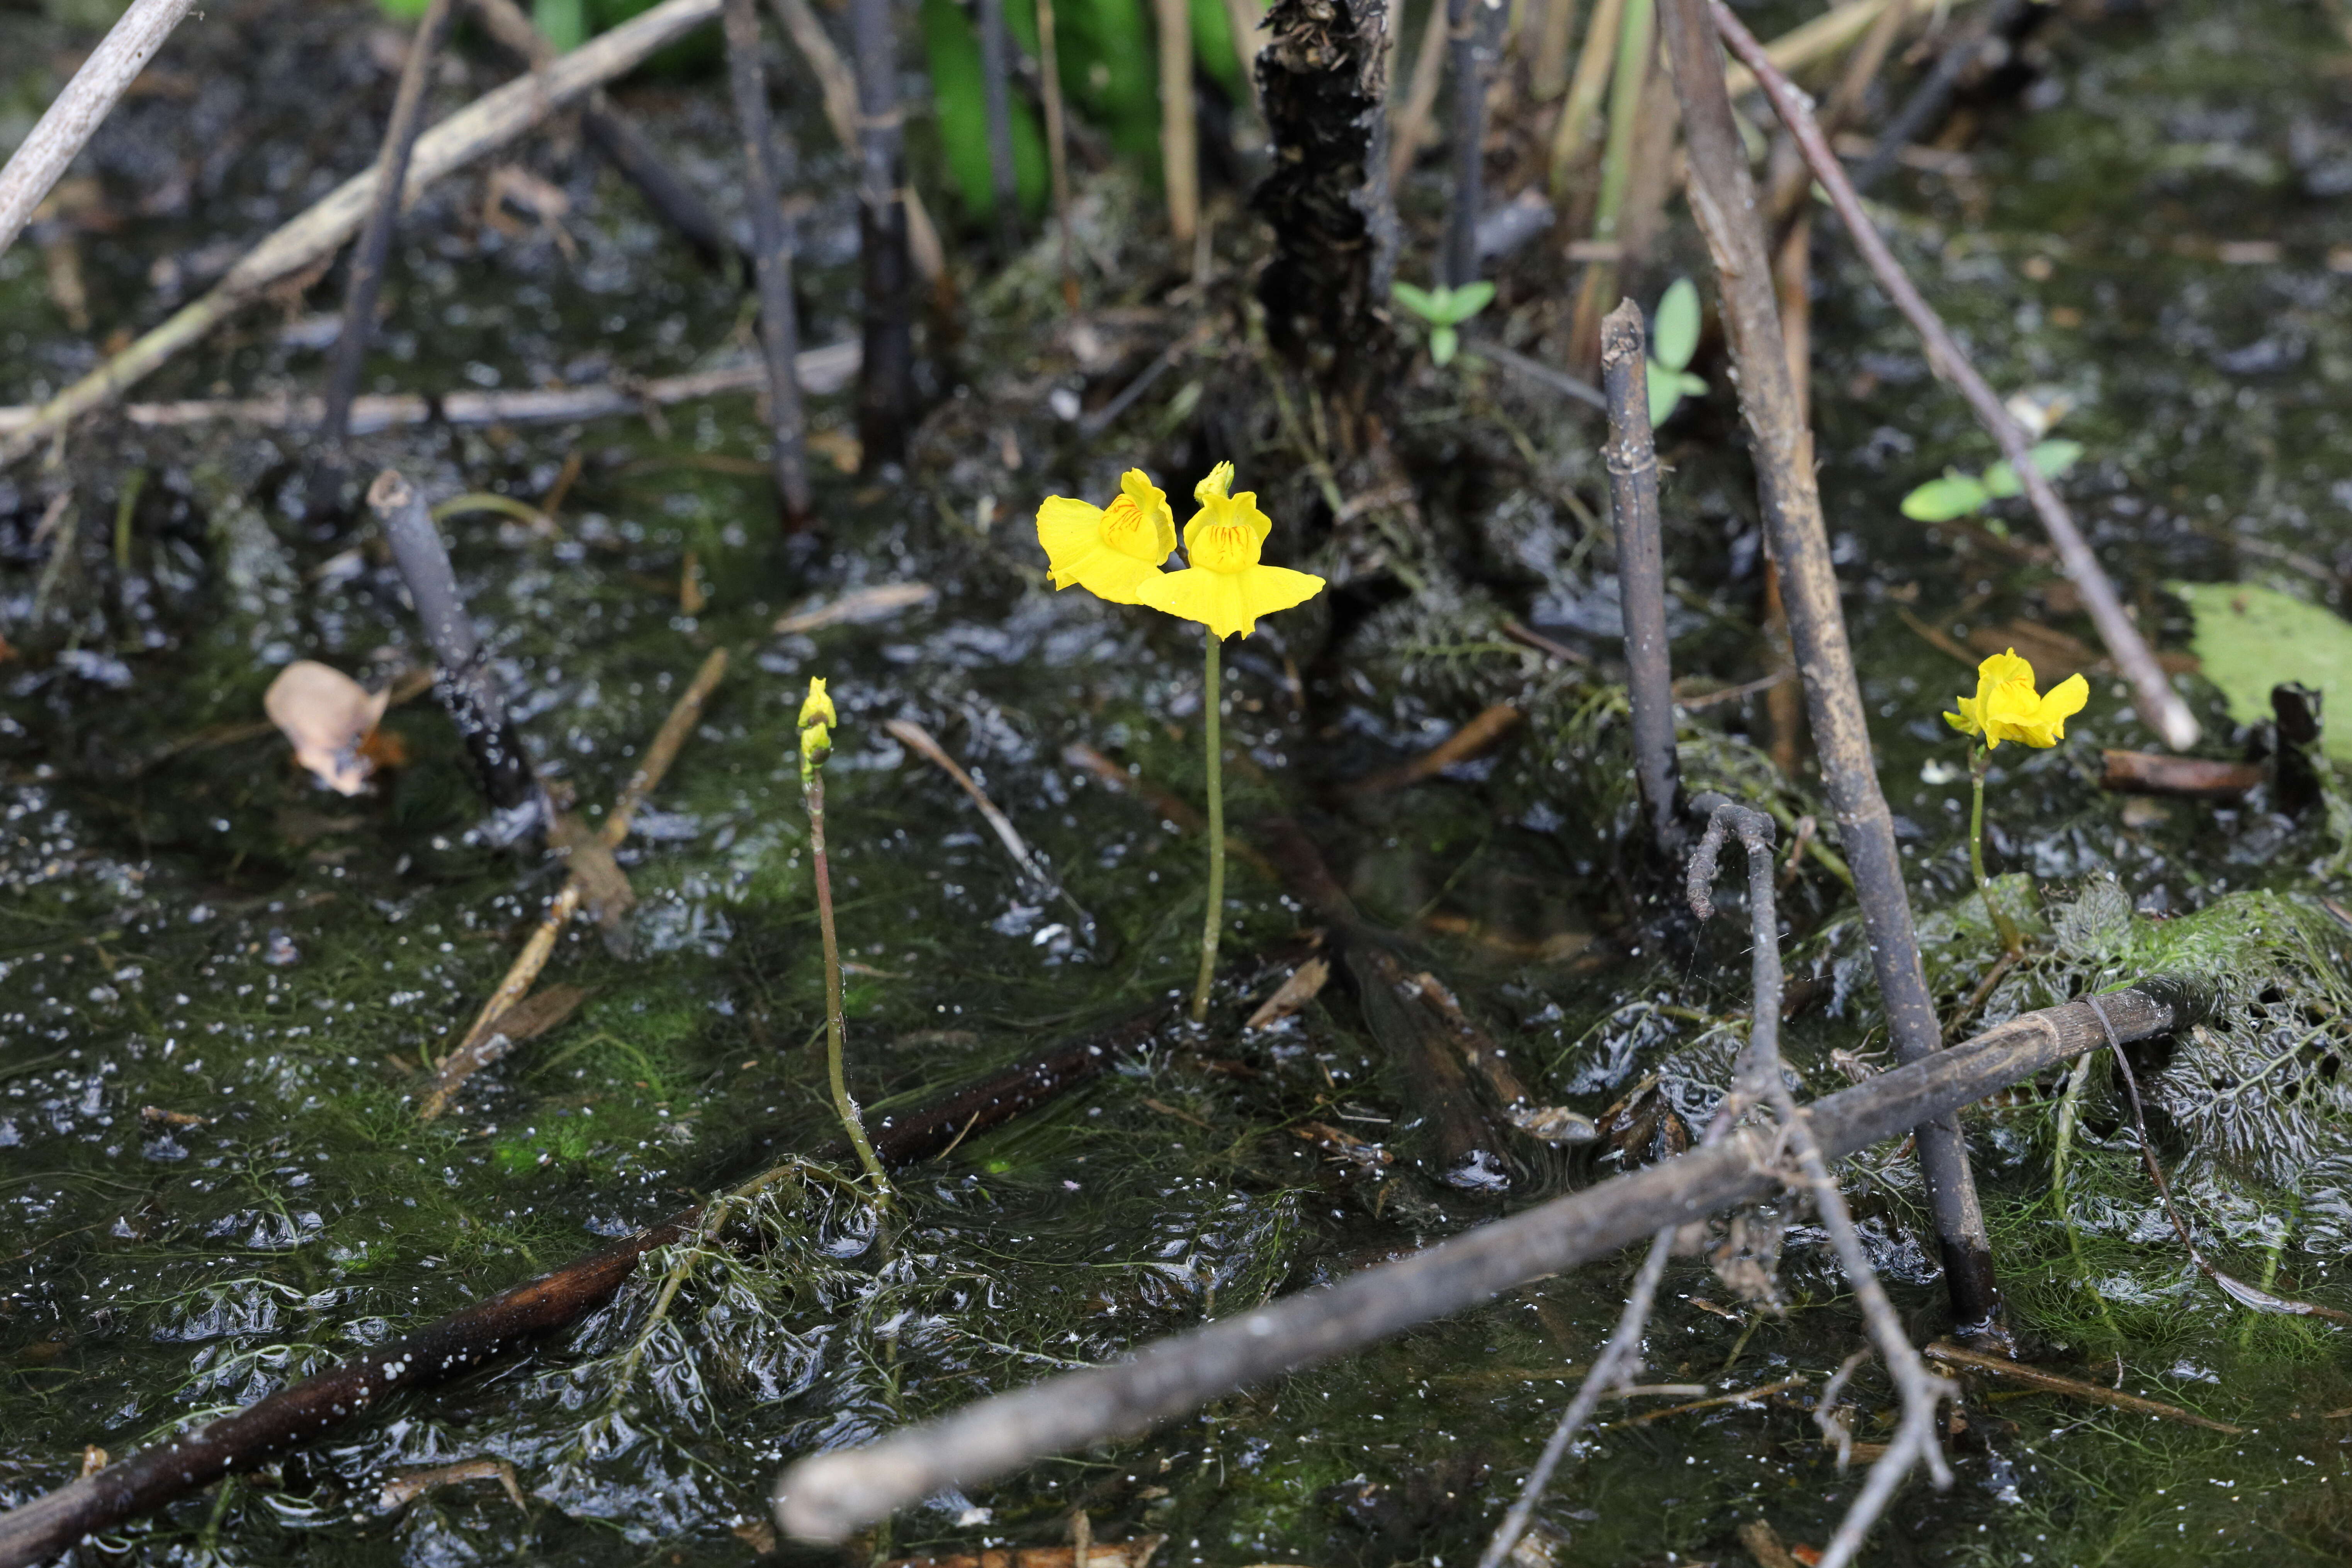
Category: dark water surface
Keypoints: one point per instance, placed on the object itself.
(217, 982)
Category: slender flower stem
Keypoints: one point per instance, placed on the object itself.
(813, 792)
(1979, 760)
(1211, 926)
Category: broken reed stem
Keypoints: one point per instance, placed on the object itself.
(1723, 199)
(1213, 924)
(463, 681)
(1927, 100)
(1585, 90)
(616, 139)
(364, 283)
(1476, 29)
(1632, 458)
(1058, 152)
(1409, 127)
(825, 1497)
(450, 1347)
(766, 165)
(2159, 707)
(996, 96)
(482, 1044)
(886, 387)
(1180, 149)
(68, 125)
(1548, 75)
(1619, 1360)
(488, 123)
(1760, 1081)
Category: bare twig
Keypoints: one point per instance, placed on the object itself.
(616, 138)
(996, 92)
(464, 681)
(1723, 197)
(826, 1496)
(1475, 27)
(1409, 127)
(2159, 706)
(1632, 457)
(1180, 148)
(909, 733)
(483, 1042)
(2157, 773)
(766, 165)
(1485, 730)
(1921, 110)
(67, 126)
(2072, 1387)
(1559, 381)
(1760, 1079)
(885, 387)
(825, 370)
(488, 123)
(365, 280)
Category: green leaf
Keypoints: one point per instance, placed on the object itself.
(1419, 301)
(1443, 341)
(2049, 459)
(1692, 385)
(1940, 500)
(1665, 393)
(1459, 305)
(564, 23)
(2248, 639)
(1673, 338)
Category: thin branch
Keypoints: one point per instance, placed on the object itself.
(911, 734)
(2159, 706)
(885, 387)
(766, 163)
(1724, 200)
(1632, 461)
(365, 281)
(483, 1043)
(488, 123)
(826, 1496)
(1476, 28)
(996, 93)
(67, 126)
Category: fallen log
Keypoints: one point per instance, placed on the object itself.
(294, 1416)
(826, 1496)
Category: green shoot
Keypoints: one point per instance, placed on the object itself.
(1444, 310)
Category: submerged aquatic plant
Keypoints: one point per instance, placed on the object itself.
(2006, 707)
(817, 720)
(1116, 552)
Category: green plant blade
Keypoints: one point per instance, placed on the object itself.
(1941, 500)
(2249, 639)
(1673, 337)
(1459, 305)
(1665, 393)
(1419, 301)
(1443, 341)
(2049, 459)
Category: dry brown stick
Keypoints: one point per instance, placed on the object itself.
(1488, 726)
(1633, 462)
(909, 733)
(482, 1044)
(1723, 198)
(2159, 706)
(767, 170)
(1410, 126)
(68, 125)
(1740, 1396)
(823, 370)
(489, 121)
(838, 86)
(365, 282)
(2074, 1387)
(2159, 772)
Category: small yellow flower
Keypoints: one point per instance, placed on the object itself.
(1109, 550)
(1225, 588)
(816, 722)
(2006, 707)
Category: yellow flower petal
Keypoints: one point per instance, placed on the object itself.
(2007, 708)
(1219, 481)
(1070, 530)
(1108, 552)
(1229, 603)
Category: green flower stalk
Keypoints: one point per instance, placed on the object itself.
(816, 722)
(2007, 708)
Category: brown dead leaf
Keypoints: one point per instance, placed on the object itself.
(327, 717)
(402, 1489)
(1304, 984)
(538, 1013)
(838, 448)
(604, 890)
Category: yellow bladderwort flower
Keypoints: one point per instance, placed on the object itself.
(2007, 708)
(816, 722)
(1109, 550)
(1224, 586)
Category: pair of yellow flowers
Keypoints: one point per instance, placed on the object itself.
(1114, 552)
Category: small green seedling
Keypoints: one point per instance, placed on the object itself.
(1673, 338)
(1444, 310)
(1956, 494)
